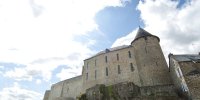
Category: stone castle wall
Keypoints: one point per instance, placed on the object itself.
(118, 68)
(152, 67)
(176, 80)
(70, 89)
(46, 95)
(141, 63)
(186, 75)
(56, 90)
(130, 91)
(191, 73)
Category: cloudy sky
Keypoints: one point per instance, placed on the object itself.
(45, 41)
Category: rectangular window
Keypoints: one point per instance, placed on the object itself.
(87, 64)
(95, 74)
(106, 71)
(86, 76)
(119, 70)
(106, 59)
(131, 66)
(117, 57)
(129, 54)
(95, 62)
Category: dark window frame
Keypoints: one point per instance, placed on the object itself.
(129, 54)
(86, 76)
(87, 65)
(131, 66)
(106, 71)
(117, 57)
(95, 74)
(106, 59)
(95, 62)
(119, 70)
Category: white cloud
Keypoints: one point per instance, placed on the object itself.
(43, 67)
(1, 67)
(42, 34)
(178, 28)
(126, 40)
(38, 81)
(68, 73)
(17, 93)
(18, 74)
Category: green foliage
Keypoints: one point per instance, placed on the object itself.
(102, 89)
(82, 97)
(103, 92)
(111, 92)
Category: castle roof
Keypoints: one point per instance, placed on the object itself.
(143, 33)
(110, 50)
(188, 57)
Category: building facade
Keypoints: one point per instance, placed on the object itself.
(140, 66)
(110, 67)
(142, 63)
(65, 90)
(185, 70)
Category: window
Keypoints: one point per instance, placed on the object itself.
(95, 74)
(106, 71)
(86, 76)
(119, 71)
(87, 64)
(106, 59)
(129, 54)
(131, 66)
(95, 62)
(117, 57)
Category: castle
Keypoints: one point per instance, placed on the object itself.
(131, 72)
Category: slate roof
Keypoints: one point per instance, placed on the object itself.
(110, 50)
(189, 57)
(143, 33)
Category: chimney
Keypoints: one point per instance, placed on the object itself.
(107, 50)
(170, 54)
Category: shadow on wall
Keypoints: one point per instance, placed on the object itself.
(63, 98)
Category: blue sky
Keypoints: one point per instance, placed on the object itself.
(43, 42)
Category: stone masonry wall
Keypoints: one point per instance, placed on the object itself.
(70, 89)
(46, 95)
(56, 90)
(151, 64)
(173, 73)
(191, 74)
(130, 91)
(114, 76)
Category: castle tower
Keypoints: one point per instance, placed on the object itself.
(152, 66)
